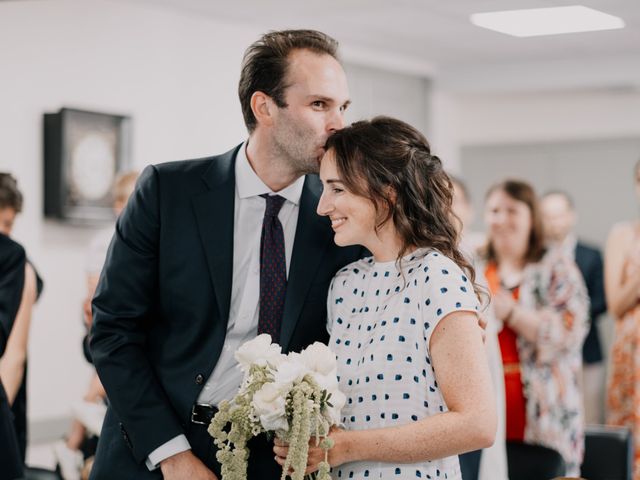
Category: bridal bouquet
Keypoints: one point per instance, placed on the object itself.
(293, 396)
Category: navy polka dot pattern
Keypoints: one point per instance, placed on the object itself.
(381, 324)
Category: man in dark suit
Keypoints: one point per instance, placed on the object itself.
(559, 222)
(207, 254)
(12, 268)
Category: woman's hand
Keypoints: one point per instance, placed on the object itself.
(503, 305)
(337, 454)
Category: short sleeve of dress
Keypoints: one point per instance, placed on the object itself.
(446, 289)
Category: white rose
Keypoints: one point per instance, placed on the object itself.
(269, 405)
(319, 358)
(326, 382)
(290, 371)
(258, 351)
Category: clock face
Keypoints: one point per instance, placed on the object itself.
(92, 166)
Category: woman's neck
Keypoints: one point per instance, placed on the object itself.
(387, 244)
(510, 269)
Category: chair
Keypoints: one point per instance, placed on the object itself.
(533, 462)
(608, 453)
(35, 473)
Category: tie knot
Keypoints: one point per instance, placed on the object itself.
(274, 204)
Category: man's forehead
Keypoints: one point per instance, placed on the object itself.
(317, 74)
(556, 201)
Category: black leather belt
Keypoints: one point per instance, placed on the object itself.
(202, 413)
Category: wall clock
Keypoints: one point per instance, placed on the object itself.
(83, 152)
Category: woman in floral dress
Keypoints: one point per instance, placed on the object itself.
(541, 301)
(622, 284)
(403, 322)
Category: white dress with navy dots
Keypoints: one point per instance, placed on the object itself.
(380, 333)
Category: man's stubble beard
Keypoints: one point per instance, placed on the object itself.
(291, 143)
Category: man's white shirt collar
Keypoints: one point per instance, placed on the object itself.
(250, 185)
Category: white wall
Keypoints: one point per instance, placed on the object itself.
(175, 75)
(528, 117)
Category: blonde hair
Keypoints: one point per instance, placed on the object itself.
(123, 186)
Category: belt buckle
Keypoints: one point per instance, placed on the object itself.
(194, 415)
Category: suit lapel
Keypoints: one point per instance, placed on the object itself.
(311, 241)
(214, 210)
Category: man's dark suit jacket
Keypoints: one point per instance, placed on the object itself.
(589, 262)
(162, 303)
(12, 262)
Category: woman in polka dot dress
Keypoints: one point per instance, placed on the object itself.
(403, 322)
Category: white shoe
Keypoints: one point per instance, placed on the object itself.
(90, 414)
(69, 461)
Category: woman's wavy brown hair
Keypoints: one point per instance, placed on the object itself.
(390, 163)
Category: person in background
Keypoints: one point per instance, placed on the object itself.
(622, 285)
(471, 242)
(540, 299)
(559, 220)
(74, 454)
(490, 463)
(12, 270)
(13, 366)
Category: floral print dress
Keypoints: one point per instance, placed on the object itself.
(551, 367)
(623, 397)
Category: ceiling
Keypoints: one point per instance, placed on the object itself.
(435, 37)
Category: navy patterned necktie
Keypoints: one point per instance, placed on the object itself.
(273, 269)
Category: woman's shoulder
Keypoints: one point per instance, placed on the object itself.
(554, 258)
(437, 262)
(623, 233)
(556, 265)
(355, 269)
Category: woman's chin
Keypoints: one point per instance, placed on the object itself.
(341, 240)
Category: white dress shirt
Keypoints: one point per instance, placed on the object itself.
(245, 289)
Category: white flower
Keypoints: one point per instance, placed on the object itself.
(319, 358)
(290, 371)
(259, 351)
(269, 405)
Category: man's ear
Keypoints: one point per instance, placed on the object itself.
(263, 108)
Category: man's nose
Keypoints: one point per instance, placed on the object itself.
(336, 122)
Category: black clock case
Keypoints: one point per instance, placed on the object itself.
(58, 201)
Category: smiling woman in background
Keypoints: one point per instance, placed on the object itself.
(541, 300)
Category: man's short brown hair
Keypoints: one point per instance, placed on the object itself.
(265, 64)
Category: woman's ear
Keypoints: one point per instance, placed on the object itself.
(262, 107)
